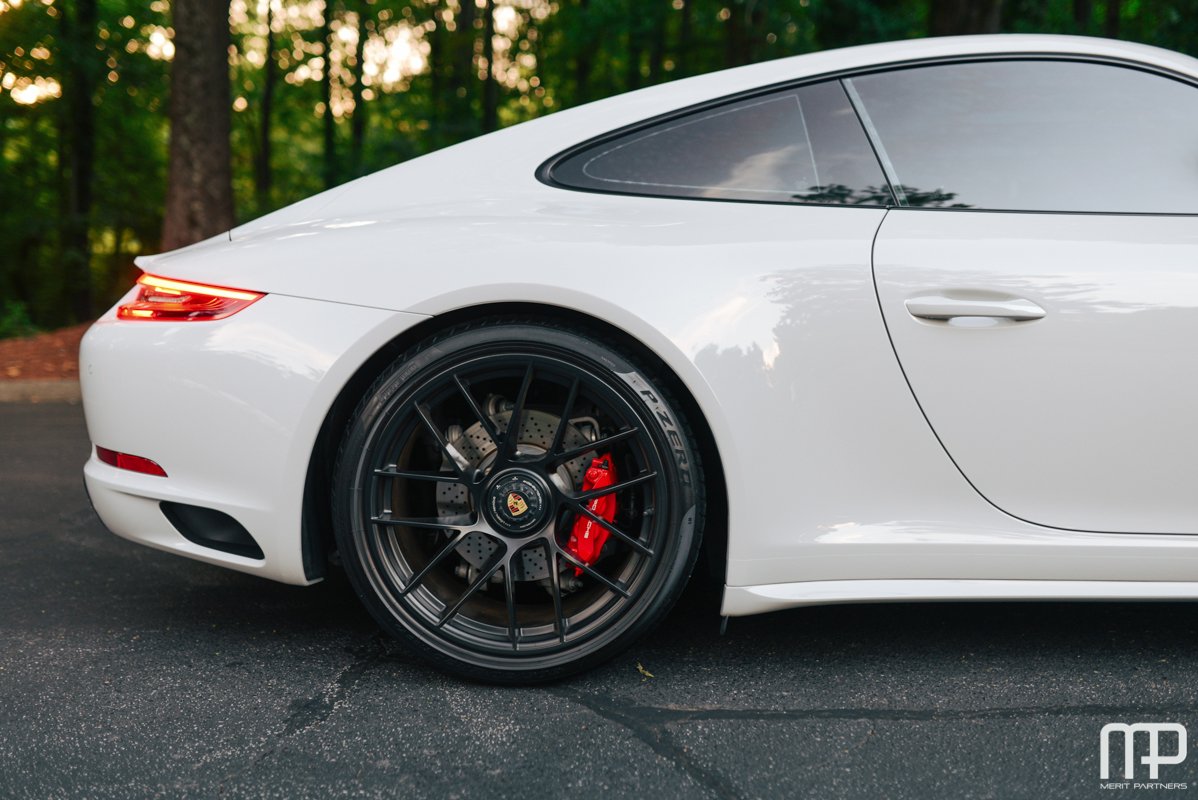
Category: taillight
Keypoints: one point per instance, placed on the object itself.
(167, 300)
(129, 462)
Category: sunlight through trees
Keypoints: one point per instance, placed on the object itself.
(321, 92)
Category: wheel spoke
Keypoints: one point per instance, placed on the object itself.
(425, 500)
(459, 462)
(511, 439)
(479, 582)
(418, 578)
(606, 441)
(596, 574)
(559, 619)
(509, 596)
(417, 475)
(564, 420)
(628, 539)
(430, 523)
(583, 497)
(487, 423)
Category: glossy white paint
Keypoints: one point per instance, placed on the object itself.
(742, 601)
(230, 410)
(767, 314)
(1084, 418)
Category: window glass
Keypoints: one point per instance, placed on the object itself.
(1037, 136)
(797, 146)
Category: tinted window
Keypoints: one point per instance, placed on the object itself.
(1037, 135)
(800, 146)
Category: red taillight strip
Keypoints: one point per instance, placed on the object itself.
(171, 286)
(129, 462)
(161, 299)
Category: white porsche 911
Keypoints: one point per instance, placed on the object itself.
(898, 322)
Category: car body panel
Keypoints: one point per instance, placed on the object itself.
(767, 314)
(229, 409)
(1083, 419)
(492, 172)
(742, 601)
(764, 312)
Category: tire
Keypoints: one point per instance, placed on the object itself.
(456, 537)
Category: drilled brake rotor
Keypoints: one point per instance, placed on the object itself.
(475, 444)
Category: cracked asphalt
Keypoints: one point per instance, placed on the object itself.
(125, 672)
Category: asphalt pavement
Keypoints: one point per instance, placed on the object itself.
(126, 672)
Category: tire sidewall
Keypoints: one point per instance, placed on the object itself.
(669, 434)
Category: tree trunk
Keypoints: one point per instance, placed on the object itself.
(262, 171)
(78, 142)
(734, 38)
(357, 123)
(436, 68)
(490, 86)
(117, 265)
(464, 78)
(1083, 12)
(759, 25)
(632, 70)
(584, 60)
(326, 96)
(199, 195)
(954, 17)
(686, 38)
(657, 50)
(464, 68)
(1111, 29)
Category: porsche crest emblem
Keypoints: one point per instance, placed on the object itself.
(516, 504)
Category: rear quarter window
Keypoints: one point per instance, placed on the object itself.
(802, 145)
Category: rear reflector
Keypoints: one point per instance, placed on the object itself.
(167, 300)
(131, 463)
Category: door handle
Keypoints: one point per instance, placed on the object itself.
(941, 307)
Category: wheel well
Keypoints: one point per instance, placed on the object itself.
(317, 539)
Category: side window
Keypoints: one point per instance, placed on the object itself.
(797, 146)
(1035, 136)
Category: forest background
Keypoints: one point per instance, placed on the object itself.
(133, 126)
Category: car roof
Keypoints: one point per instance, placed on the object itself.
(625, 109)
(491, 167)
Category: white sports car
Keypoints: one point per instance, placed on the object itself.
(911, 321)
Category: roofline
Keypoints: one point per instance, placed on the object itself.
(514, 155)
(806, 66)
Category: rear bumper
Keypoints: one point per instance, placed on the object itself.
(230, 409)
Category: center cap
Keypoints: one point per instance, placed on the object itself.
(516, 503)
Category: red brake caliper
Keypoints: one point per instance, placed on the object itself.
(588, 536)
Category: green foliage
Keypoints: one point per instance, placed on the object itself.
(841, 23)
(419, 87)
(14, 320)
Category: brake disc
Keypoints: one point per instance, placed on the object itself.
(475, 444)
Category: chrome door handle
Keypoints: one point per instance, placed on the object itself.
(941, 307)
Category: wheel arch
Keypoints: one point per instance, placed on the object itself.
(317, 515)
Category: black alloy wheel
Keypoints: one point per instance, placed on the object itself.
(461, 478)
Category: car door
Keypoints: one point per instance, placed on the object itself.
(1039, 280)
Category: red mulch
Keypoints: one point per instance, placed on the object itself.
(44, 356)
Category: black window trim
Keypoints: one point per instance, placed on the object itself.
(875, 142)
(544, 173)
